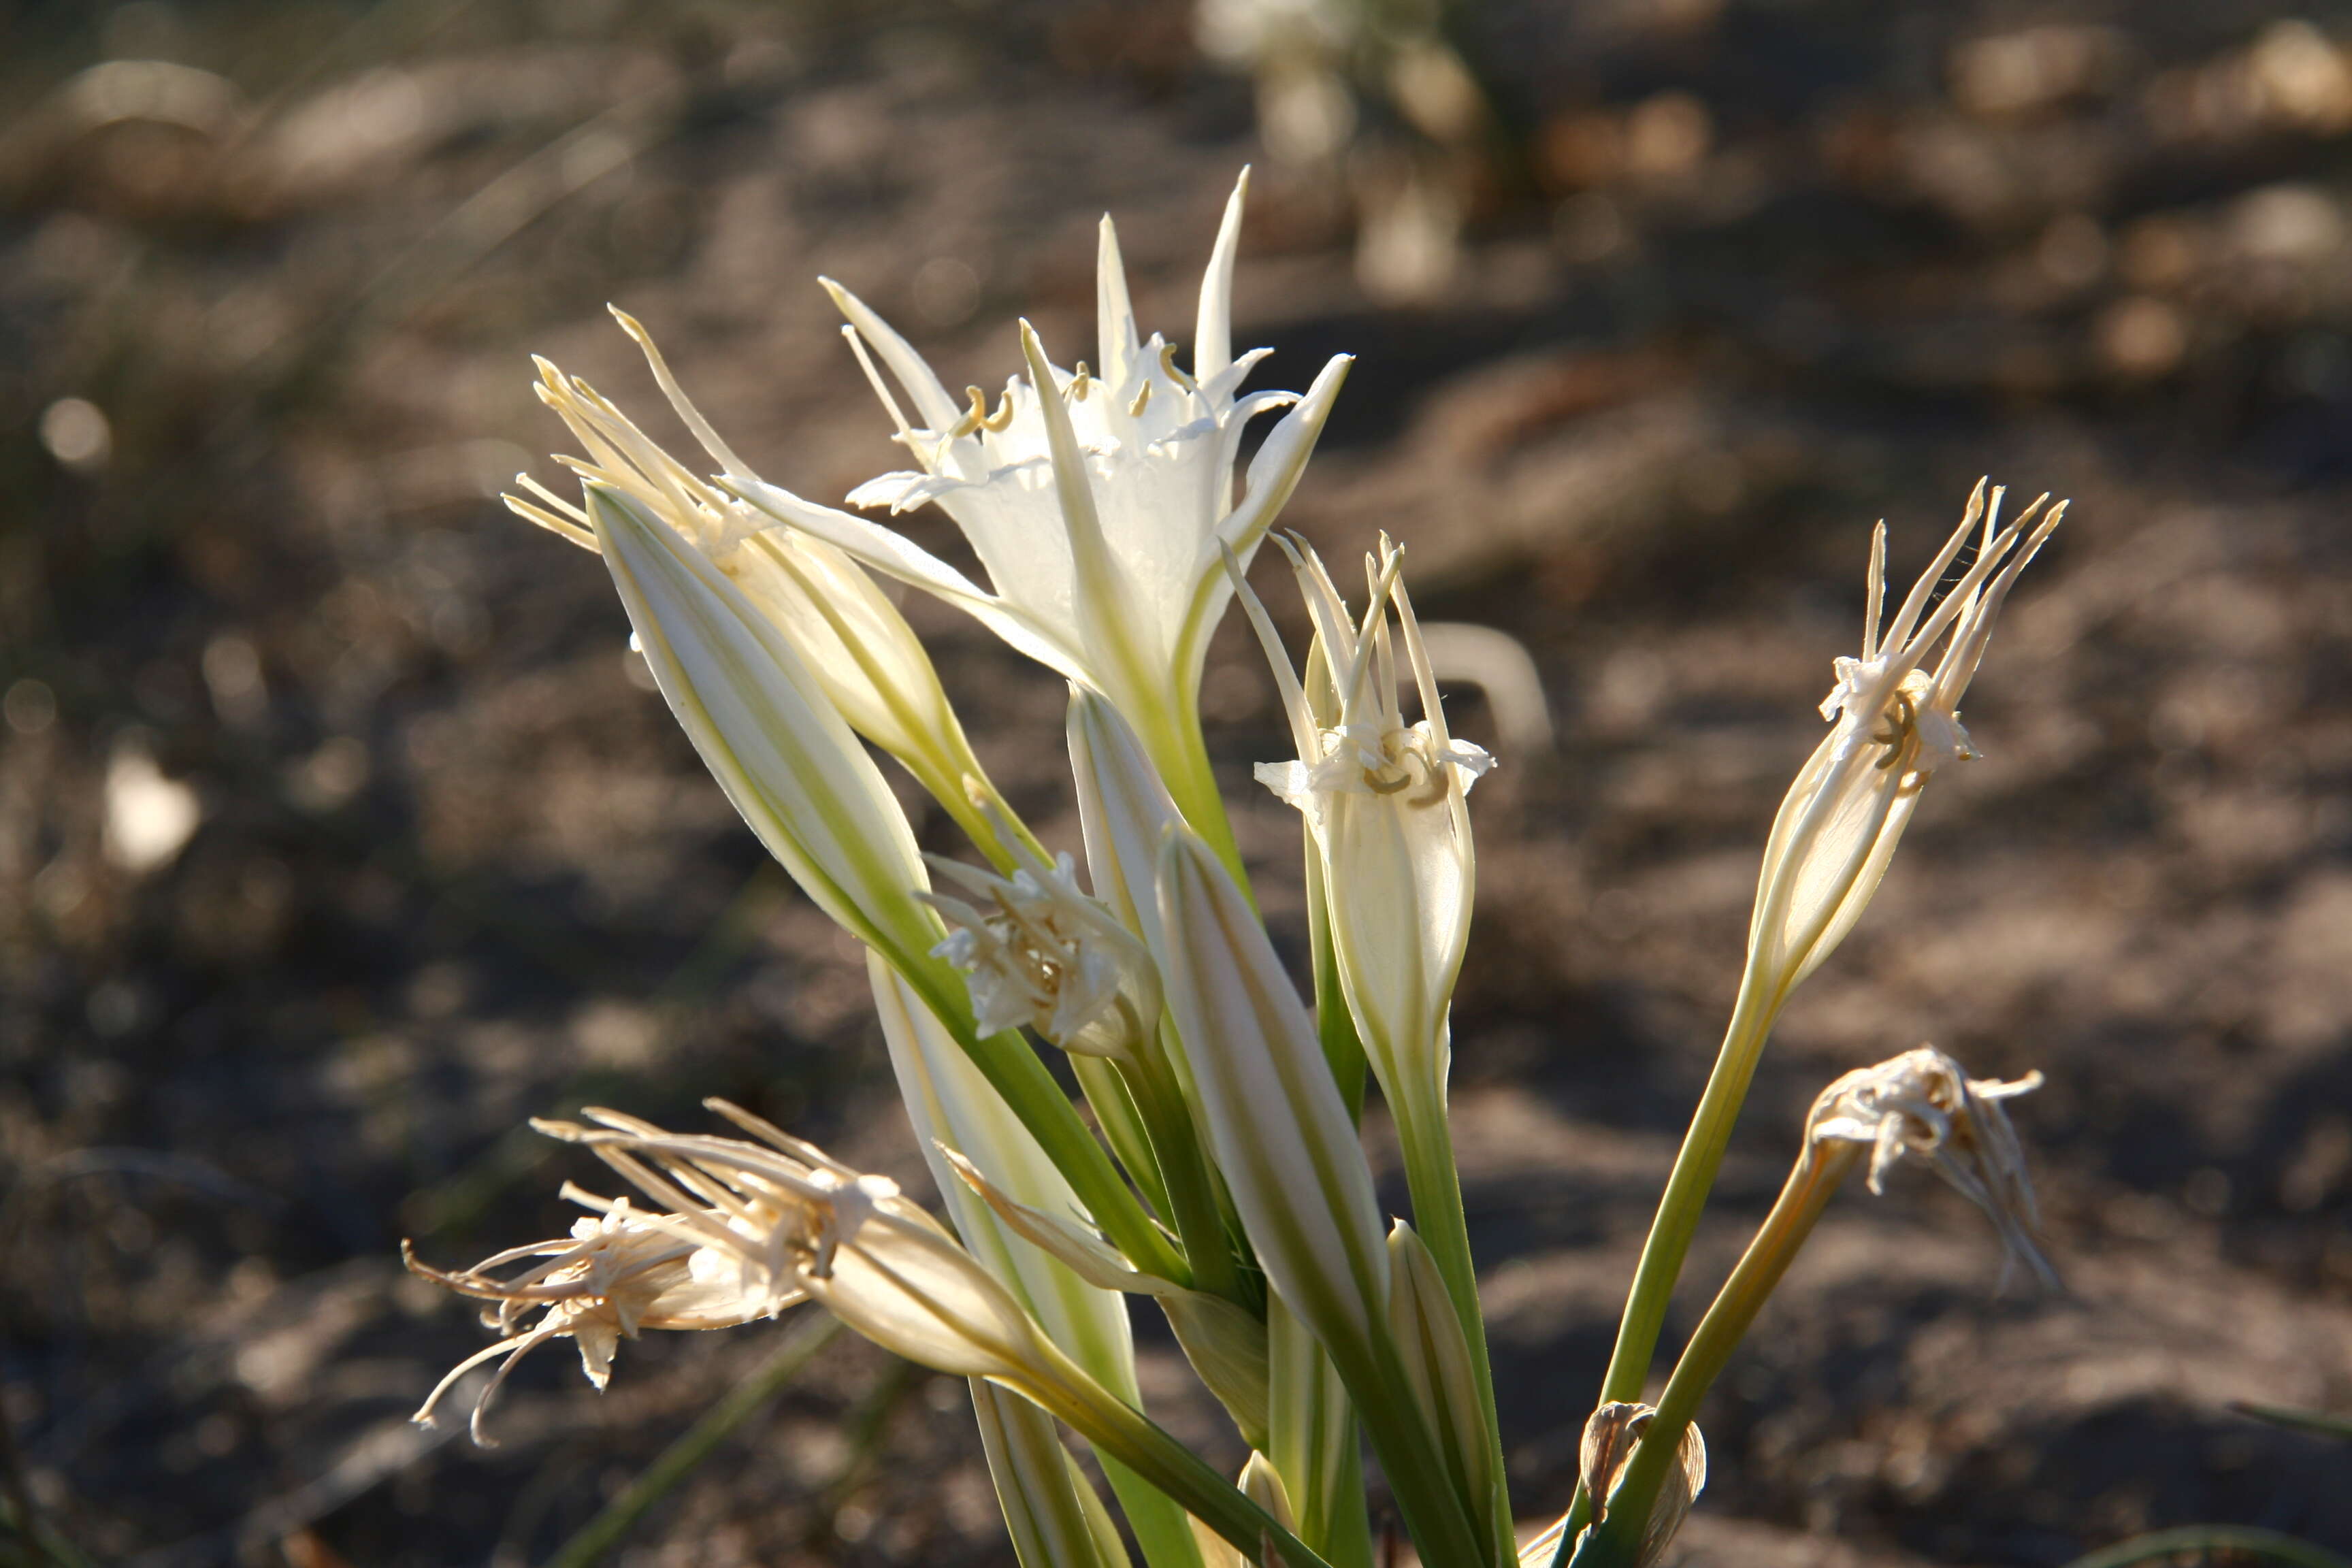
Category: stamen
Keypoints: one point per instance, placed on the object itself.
(1080, 384)
(1142, 396)
(562, 528)
(1167, 363)
(1002, 417)
(975, 416)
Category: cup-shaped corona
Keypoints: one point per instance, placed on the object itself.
(767, 732)
(1894, 723)
(1273, 1115)
(1386, 807)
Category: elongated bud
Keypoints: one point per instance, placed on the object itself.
(1436, 1357)
(1895, 723)
(1274, 1119)
(1124, 808)
(1611, 1437)
(1385, 805)
(853, 639)
(768, 733)
(1227, 1346)
(1050, 1508)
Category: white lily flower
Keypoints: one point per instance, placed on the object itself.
(1923, 1102)
(1896, 722)
(764, 728)
(851, 637)
(1039, 952)
(1387, 811)
(1099, 501)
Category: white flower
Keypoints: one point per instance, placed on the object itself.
(1923, 1102)
(851, 637)
(768, 733)
(1037, 952)
(1098, 500)
(617, 1273)
(1386, 809)
(1896, 722)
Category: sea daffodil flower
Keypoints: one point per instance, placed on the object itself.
(1098, 500)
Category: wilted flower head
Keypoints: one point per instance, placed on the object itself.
(1036, 951)
(1896, 722)
(618, 1272)
(1923, 1102)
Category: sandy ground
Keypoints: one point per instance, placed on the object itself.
(452, 866)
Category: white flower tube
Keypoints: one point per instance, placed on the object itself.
(766, 731)
(1386, 807)
(1896, 722)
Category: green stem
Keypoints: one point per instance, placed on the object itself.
(1686, 1189)
(1013, 1070)
(1808, 1190)
(1668, 1242)
(616, 1519)
(1191, 1185)
(1118, 1429)
(1436, 1183)
(2266, 1544)
(1122, 1125)
(1181, 755)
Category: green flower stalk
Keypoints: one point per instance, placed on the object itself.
(1895, 723)
(1920, 1103)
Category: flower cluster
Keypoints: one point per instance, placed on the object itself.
(1218, 1166)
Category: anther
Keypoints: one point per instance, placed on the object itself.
(1135, 409)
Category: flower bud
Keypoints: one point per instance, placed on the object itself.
(1896, 722)
(1273, 1117)
(852, 638)
(768, 733)
(1428, 1335)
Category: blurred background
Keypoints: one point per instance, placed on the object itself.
(339, 832)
